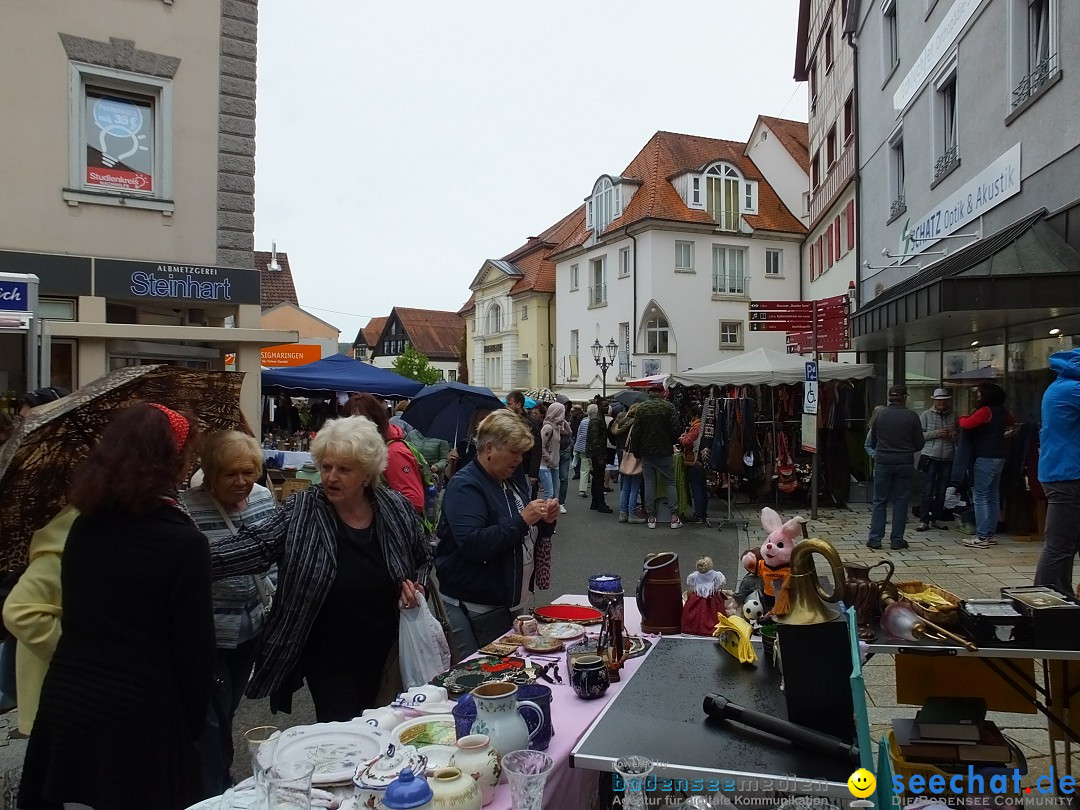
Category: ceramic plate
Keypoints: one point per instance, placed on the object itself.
(241, 800)
(444, 707)
(470, 674)
(581, 614)
(542, 644)
(334, 748)
(438, 756)
(563, 630)
(423, 731)
(635, 646)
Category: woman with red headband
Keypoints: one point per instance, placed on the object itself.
(126, 694)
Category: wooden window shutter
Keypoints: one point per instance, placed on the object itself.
(851, 225)
(829, 238)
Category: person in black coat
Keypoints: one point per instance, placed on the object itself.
(127, 691)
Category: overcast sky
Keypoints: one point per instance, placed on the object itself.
(402, 144)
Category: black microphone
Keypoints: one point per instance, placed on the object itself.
(719, 707)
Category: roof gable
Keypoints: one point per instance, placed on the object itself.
(794, 136)
(368, 335)
(291, 305)
(434, 333)
(276, 286)
(493, 271)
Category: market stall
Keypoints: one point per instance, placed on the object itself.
(752, 418)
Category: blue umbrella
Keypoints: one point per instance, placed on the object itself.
(444, 410)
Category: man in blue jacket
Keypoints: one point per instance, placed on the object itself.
(1059, 471)
(896, 436)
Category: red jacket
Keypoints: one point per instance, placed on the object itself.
(401, 473)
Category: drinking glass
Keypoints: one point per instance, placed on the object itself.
(527, 772)
(288, 786)
(262, 742)
(634, 770)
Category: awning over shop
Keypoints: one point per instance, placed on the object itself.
(1025, 272)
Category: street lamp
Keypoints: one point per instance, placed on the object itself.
(604, 362)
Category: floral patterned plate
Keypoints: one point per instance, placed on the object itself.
(470, 674)
(563, 630)
(335, 749)
(437, 729)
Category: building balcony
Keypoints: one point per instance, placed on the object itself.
(1030, 84)
(944, 164)
(899, 206)
(598, 295)
(823, 197)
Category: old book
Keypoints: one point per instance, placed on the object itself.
(991, 746)
(950, 719)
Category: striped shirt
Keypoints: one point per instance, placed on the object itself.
(238, 611)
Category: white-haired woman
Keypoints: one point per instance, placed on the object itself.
(228, 500)
(350, 554)
(584, 462)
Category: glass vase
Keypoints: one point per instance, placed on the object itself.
(634, 770)
(527, 772)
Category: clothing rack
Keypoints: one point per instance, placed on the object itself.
(730, 520)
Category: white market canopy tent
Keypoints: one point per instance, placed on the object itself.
(767, 367)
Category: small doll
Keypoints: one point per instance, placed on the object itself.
(772, 564)
(705, 600)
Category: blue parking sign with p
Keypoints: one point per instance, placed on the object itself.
(811, 371)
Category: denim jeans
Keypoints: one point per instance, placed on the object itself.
(986, 492)
(548, 475)
(629, 487)
(935, 479)
(650, 466)
(699, 493)
(1062, 534)
(565, 459)
(892, 482)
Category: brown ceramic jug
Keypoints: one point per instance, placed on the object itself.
(659, 594)
(864, 594)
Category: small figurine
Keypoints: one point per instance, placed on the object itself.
(705, 600)
(773, 562)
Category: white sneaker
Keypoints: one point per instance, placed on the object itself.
(562, 509)
(973, 542)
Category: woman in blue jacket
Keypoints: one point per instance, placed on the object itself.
(487, 536)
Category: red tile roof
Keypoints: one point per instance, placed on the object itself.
(537, 272)
(277, 285)
(794, 135)
(369, 335)
(668, 154)
(435, 333)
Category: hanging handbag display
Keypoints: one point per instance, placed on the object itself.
(785, 465)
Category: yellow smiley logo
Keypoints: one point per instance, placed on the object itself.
(861, 783)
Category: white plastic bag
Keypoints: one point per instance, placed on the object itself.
(422, 647)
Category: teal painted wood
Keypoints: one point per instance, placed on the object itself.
(858, 696)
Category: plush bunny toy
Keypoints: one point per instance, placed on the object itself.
(772, 563)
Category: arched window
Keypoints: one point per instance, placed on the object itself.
(604, 205)
(722, 185)
(657, 331)
(494, 319)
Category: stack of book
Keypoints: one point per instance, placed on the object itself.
(951, 731)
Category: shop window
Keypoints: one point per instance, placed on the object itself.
(120, 138)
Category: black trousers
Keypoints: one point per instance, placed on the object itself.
(597, 485)
(341, 690)
(232, 667)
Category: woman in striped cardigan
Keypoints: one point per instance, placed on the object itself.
(350, 555)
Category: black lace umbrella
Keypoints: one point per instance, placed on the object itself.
(39, 460)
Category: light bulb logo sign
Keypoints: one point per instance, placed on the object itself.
(119, 136)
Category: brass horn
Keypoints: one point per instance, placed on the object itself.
(806, 600)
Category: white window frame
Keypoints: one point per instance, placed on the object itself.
(733, 284)
(605, 205)
(624, 262)
(689, 266)
(946, 116)
(897, 167)
(749, 201)
(524, 312)
(493, 320)
(738, 329)
(598, 288)
(695, 192)
(723, 185)
(159, 89)
(574, 277)
(657, 333)
(778, 254)
(890, 37)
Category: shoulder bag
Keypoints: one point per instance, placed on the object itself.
(263, 584)
(629, 464)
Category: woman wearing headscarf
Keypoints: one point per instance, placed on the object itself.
(126, 693)
(488, 534)
(227, 500)
(551, 433)
(350, 555)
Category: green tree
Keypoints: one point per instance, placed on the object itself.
(412, 364)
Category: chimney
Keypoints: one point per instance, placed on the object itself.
(273, 257)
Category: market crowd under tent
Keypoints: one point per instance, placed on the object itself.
(768, 367)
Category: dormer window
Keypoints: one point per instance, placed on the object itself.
(603, 206)
(723, 195)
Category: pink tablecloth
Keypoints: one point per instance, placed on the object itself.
(570, 715)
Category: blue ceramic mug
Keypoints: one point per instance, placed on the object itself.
(465, 715)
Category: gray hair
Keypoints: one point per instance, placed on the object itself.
(354, 438)
(594, 410)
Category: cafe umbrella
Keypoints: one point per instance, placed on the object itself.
(444, 410)
(38, 462)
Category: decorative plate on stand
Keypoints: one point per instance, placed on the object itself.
(580, 614)
(475, 672)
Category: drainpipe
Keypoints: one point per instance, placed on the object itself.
(633, 315)
(850, 26)
(551, 347)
